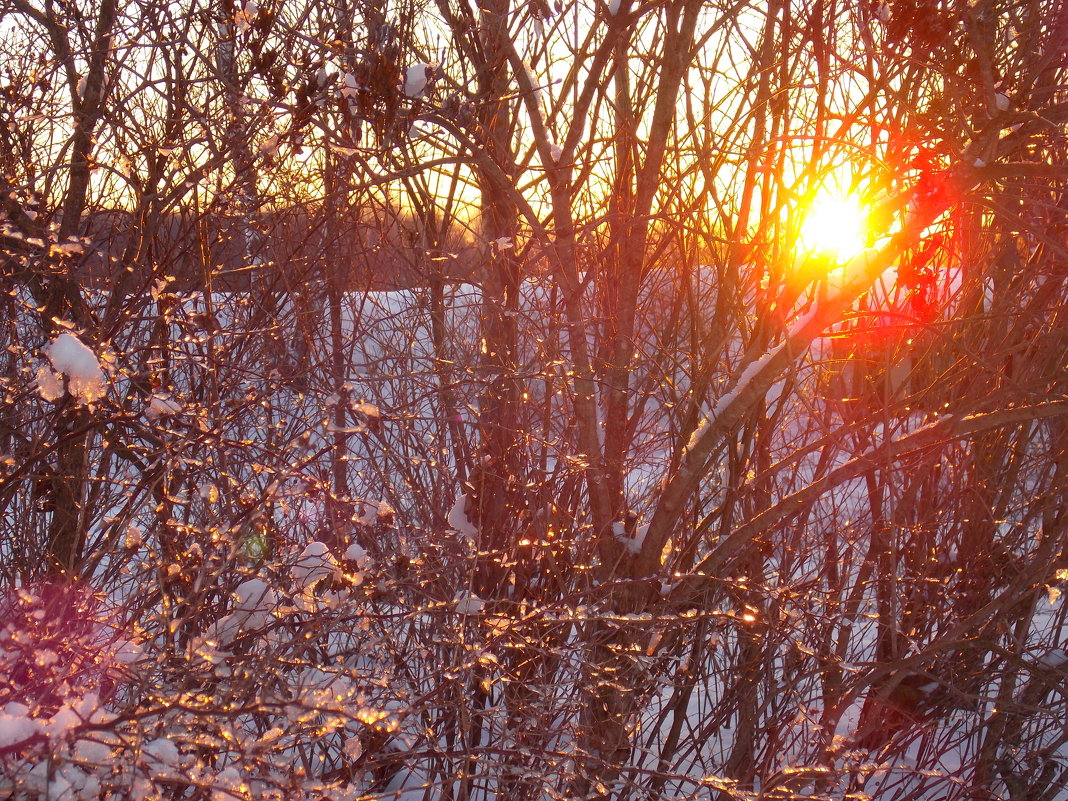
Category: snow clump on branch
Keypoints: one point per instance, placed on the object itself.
(70, 357)
(416, 80)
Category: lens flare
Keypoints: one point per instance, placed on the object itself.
(833, 228)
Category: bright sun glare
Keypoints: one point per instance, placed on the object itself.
(833, 228)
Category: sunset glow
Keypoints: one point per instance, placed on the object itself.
(834, 228)
(521, 401)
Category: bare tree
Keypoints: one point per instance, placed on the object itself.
(465, 401)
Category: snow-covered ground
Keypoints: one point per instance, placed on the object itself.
(304, 664)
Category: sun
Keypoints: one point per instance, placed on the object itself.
(833, 228)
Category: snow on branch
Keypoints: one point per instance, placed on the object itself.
(73, 359)
(901, 449)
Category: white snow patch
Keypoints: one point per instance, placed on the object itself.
(160, 405)
(93, 751)
(255, 601)
(16, 725)
(163, 750)
(349, 86)
(635, 543)
(227, 786)
(49, 384)
(416, 80)
(70, 357)
(458, 520)
(373, 512)
(695, 437)
(69, 248)
(467, 603)
(353, 747)
(357, 553)
(314, 564)
(252, 594)
(128, 652)
(83, 83)
(744, 379)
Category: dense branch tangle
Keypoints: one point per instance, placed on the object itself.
(739, 517)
